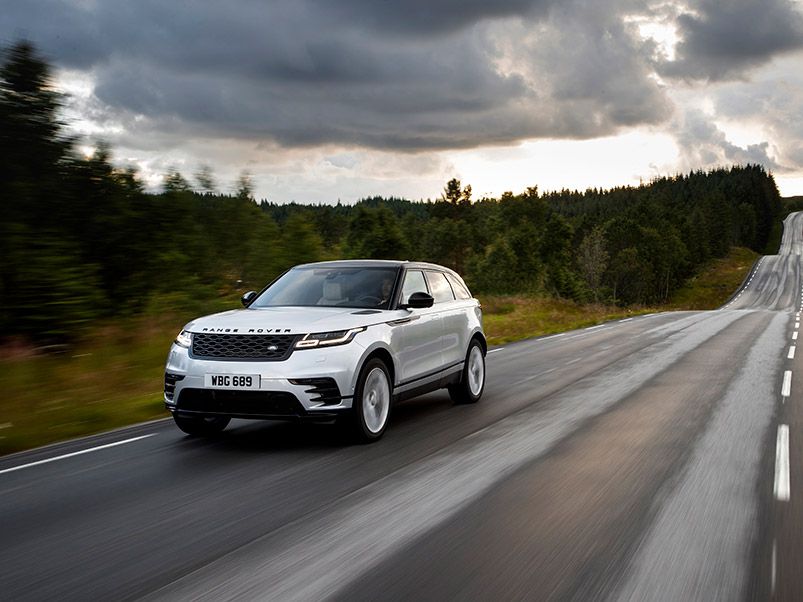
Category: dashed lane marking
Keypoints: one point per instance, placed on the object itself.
(774, 566)
(791, 354)
(781, 488)
(78, 453)
(786, 389)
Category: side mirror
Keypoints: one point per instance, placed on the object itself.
(418, 301)
(248, 297)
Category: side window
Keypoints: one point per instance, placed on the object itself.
(460, 290)
(439, 286)
(413, 283)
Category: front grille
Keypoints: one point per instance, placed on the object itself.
(170, 384)
(265, 347)
(239, 403)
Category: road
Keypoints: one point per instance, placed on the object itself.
(654, 458)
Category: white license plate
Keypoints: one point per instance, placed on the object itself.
(231, 381)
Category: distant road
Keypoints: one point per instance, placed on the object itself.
(654, 458)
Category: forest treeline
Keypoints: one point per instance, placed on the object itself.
(82, 239)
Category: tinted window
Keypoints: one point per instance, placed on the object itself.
(439, 286)
(413, 283)
(460, 291)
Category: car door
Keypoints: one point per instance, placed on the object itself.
(419, 351)
(453, 319)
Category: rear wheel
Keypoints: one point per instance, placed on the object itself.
(201, 426)
(472, 381)
(372, 399)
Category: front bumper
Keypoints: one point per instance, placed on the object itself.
(310, 384)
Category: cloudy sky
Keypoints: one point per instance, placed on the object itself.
(323, 100)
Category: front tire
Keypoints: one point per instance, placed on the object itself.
(201, 426)
(472, 380)
(372, 400)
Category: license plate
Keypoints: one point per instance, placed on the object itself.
(231, 381)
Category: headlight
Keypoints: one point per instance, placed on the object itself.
(184, 339)
(327, 339)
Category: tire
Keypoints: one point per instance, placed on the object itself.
(372, 400)
(201, 426)
(472, 380)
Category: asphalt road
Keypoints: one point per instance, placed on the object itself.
(654, 458)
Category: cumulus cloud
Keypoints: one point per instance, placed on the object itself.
(358, 85)
(773, 103)
(722, 40)
(703, 145)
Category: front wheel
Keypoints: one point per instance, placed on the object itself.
(201, 426)
(472, 381)
(372, 399)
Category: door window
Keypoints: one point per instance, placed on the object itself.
(439, 286)
(413, 283)
(460, 291)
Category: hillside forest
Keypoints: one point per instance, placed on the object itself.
(82, 240)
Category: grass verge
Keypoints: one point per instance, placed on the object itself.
(114, 378)
(715, 283)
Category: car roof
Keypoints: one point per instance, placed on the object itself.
(375, 263)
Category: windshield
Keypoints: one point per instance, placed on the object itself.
(369, 288)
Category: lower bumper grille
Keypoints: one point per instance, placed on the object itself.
(240, 403)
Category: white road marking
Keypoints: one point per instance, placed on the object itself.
(495, 350)
(797, 325)
(774, 566)
(594, 327)
(78, 453)
(794, 336)
(781, 488)
(786, 389)
(625, 320)
(791, 354)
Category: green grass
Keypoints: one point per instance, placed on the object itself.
(715, 283)
(114, 377)
(112, 380)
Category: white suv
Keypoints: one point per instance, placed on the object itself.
(333, 340)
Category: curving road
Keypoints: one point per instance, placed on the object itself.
(654, 458)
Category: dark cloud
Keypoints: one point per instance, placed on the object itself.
(427, 17)
(722, 40)
(376, 73)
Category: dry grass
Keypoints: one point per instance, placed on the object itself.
(511, 318)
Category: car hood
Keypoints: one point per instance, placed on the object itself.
(291, 320)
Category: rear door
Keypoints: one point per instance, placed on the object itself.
(454, 322)
(419, 351)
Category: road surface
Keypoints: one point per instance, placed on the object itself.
(654, 458)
